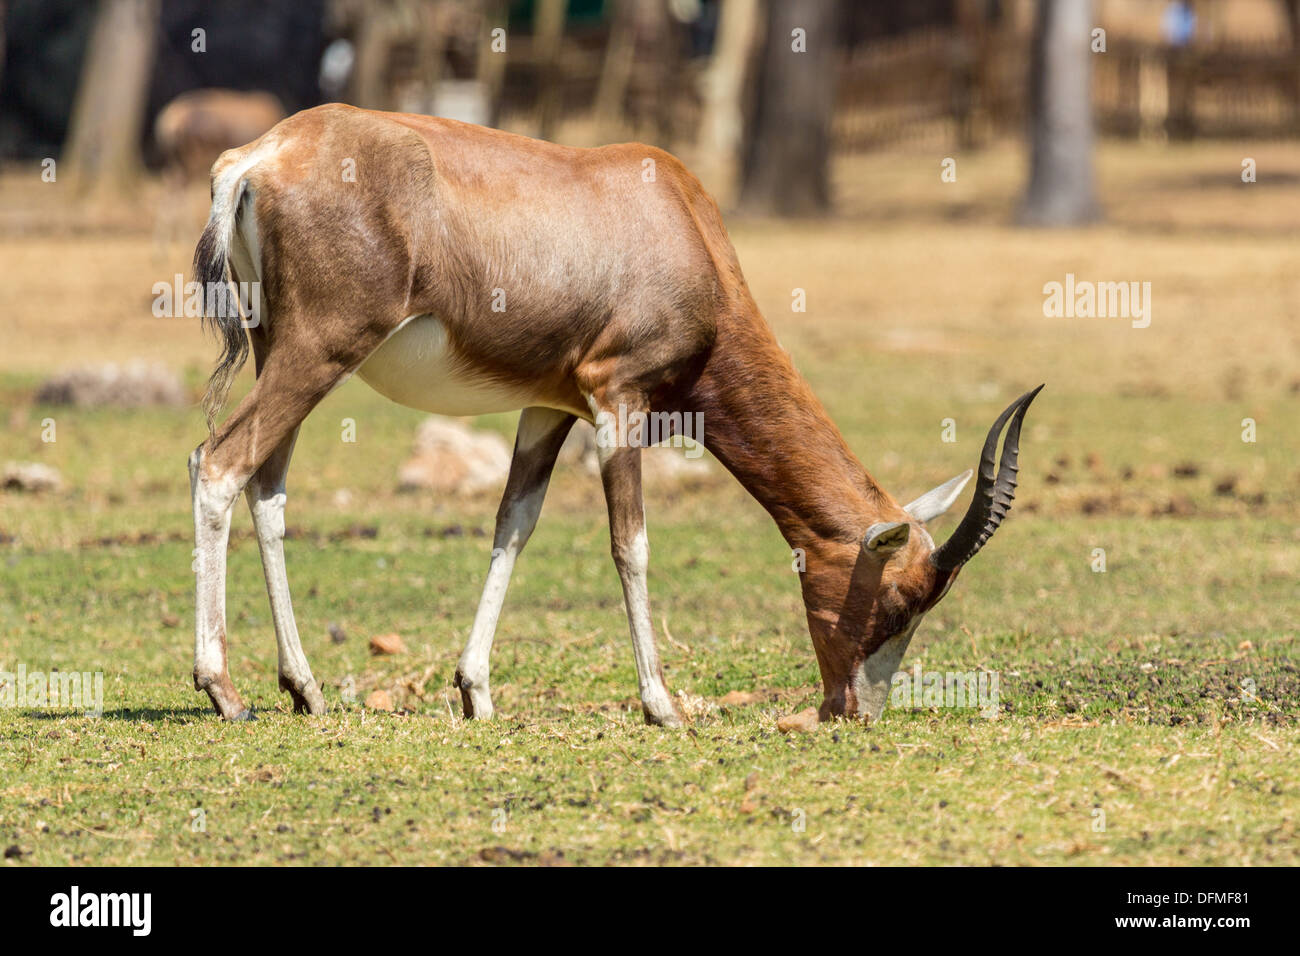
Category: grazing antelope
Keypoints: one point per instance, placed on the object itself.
(619, 293)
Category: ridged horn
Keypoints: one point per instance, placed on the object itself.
(993, 492)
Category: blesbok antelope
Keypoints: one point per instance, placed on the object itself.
(464, 270)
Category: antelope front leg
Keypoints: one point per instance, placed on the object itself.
(541, 433)
(266, 499)
(212, 499)
(620, 471)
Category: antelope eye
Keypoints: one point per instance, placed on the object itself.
(893, 612)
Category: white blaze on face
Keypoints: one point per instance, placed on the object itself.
(872, 679)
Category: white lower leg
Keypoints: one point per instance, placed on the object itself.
(212, 501)
(511, 536)
(295, 673)
(631, 549)
(473, 669)
(633, 567)
(530, 471)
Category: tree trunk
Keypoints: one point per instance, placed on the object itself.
(722, 125)
(641, 74)
(548, 39)
(490, 69)
(102, 151)
(787, 155)
(616, 72)
(1292, 10)
(3, 11)
(368, 86)
(433, 23)
(1061, 186)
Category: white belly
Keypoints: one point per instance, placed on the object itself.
(416, 367)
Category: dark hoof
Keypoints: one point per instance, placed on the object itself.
(245, 714)
(466, 702)
(670, 719)
(301, 705)
(309, 700)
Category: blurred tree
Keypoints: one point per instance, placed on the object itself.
(1291, 8)
(490, 64)
(616, 70)
(377, 26)
(548, 40)
(103, 147)
(641, 73)
(786, 166)
(2, 40)
(722, 124)
(1061, 186)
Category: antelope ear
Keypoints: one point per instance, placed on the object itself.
(938, 500)
(886, 536)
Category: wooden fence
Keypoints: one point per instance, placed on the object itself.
(944, 87)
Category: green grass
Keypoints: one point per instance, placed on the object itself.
(1121, 692)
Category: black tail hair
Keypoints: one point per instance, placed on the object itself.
(221, 313)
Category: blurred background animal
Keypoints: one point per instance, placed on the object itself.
(190, 133)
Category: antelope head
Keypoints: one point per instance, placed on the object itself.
(861, 626)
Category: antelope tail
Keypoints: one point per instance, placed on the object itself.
(221, 312)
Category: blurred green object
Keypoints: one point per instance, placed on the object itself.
(579, 11)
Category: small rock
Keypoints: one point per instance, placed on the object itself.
(502, 854)
(453, 458)
(579, 448)
(379, 700)
(337, 634)
(804, 722)
(387, 644)
(31, 476)
(13, 852)
(124, 386)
